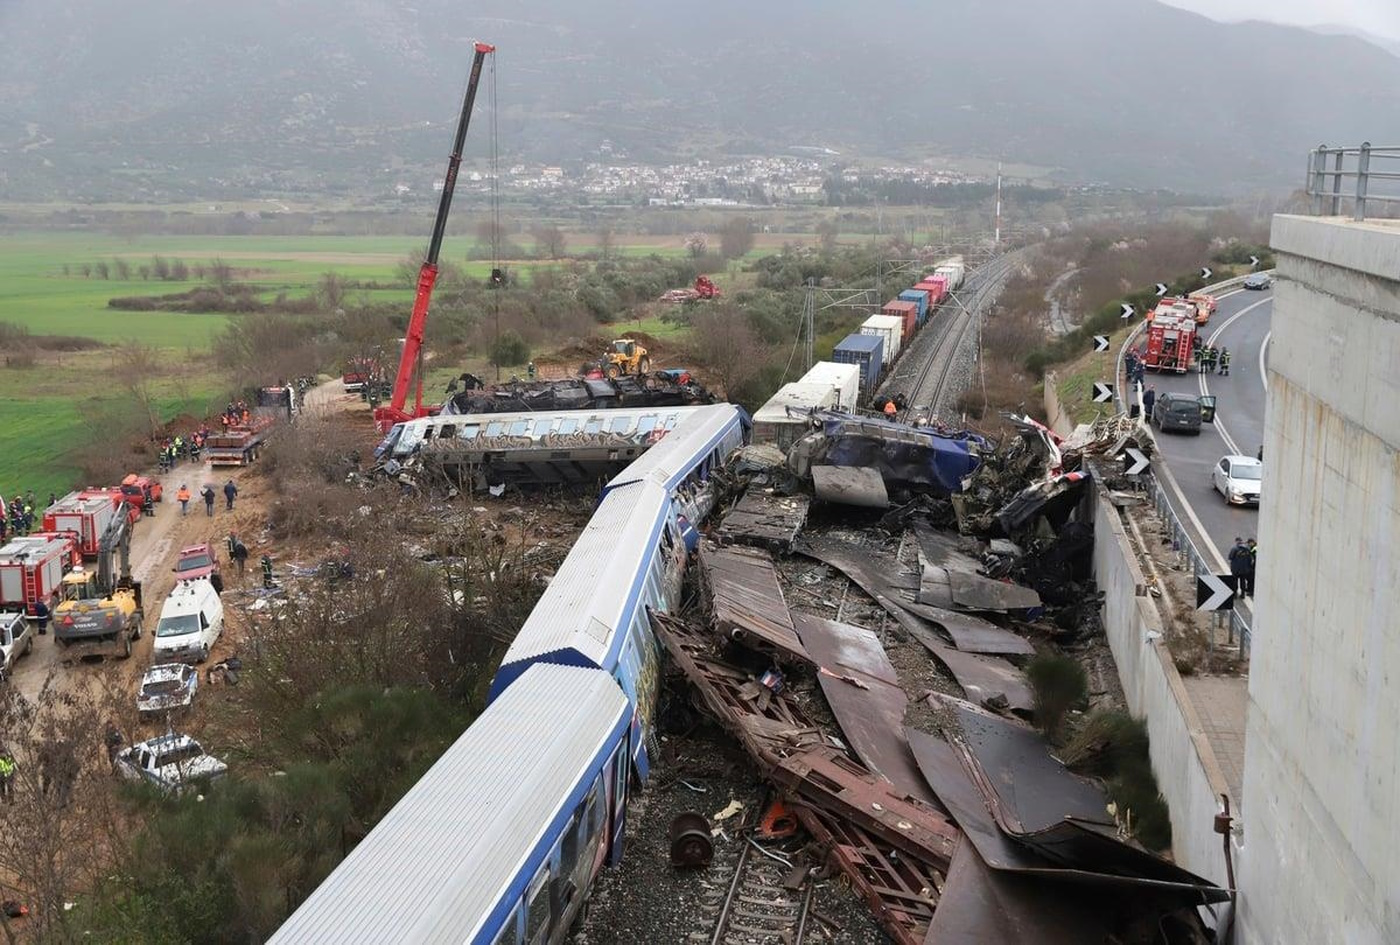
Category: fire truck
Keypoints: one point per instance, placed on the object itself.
(1171, 339)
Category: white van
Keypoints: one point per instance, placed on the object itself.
(190, 622)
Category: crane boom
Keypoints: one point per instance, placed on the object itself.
(393, 412)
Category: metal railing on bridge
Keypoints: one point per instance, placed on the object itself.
(1329, 167)
(1182, 544)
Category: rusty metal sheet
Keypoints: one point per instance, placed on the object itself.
(1034, 789)
(747, 600)
(860, 486)
(762, 519)
(975, 592)
(981, 905)
(986, 677)
(863, 691)
(967, 632)
(827, 778)
(1140, 879)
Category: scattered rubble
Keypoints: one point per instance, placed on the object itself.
(886, 705)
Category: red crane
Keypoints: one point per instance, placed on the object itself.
(409, 361)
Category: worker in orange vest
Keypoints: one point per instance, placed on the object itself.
(890, 409)
(184, 496)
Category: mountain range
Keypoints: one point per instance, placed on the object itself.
(161, 98)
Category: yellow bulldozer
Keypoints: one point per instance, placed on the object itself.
(626, 357)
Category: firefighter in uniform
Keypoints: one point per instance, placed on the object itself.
(1224, 362)
(1200, 356)
(267, 571)
(1210, 359)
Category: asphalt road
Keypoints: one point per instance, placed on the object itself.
(1242, 324)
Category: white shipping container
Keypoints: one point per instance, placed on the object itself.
(845, 378)
(773, 425)
(890, 328)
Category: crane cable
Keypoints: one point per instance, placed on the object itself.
(495, 218)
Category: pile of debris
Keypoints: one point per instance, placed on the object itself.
(657, 389)
(890, 803)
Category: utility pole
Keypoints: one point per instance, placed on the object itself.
(809, 323)
(996, 236)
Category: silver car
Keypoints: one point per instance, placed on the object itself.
(1258, 280)
(1237, 478)
(16, 640)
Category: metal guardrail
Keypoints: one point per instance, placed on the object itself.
(1239, 628)
(1324, 183)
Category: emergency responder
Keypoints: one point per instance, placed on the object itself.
(1224, 362)
(1200, 355)
(1253, 564)
(267, 571)
(1212, 357)
(183, 496)
(239, 553)
(7, 775)
(230, 493)
(1149, 398)
(530, 370)
(207, 494)
(41, 617)
(890, 410)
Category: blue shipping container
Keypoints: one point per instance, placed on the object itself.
(868, 351)
(919, 298)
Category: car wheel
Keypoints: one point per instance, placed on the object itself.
(29, 645)
(126, 649)
(204, 653)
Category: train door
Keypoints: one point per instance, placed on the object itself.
(615, 775)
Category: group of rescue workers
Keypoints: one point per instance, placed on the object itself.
(180, 448)
(1209, 358)
(17, 515)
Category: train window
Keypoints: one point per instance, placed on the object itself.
(494, 428)
(620, 424)
(542, 427)
(519, 427)
(646, 425)
(671, 422)
(568, 425)
(620, 761)
(593, 425)
(538, 912)
(470, 431)
(447, 431)
(593, 808)
(568, 847)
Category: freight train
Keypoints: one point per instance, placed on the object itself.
(500, 842)
(879, 341)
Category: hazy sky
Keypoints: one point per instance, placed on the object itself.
(1381, 17)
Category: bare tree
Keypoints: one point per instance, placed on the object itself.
(123, 268)
(331, 290)
(220, 273)
(736, 237)
(606, 241)
(549, 241)
(827, 231)
(161, 268)
(729, 348)
(136, 366)
(697, 245)
(179, 271)
(144, 271)
(103, 272)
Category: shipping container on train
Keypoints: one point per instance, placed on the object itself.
(865, 351)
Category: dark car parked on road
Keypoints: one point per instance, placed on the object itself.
(1174, 411)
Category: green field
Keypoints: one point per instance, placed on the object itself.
(47, 410)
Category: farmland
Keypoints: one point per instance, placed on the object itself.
(55, 400)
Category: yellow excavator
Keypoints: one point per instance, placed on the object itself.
(99, 612)
(626, 357)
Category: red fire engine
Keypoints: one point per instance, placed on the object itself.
(1171, 338)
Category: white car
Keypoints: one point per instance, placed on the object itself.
(170, 762)
(167, 687)
(1237, 478)
(16, 639)
(190, 622)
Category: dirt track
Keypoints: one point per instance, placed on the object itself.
(155, 545)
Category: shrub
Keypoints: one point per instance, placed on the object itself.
(509, 348)
(1058, 683)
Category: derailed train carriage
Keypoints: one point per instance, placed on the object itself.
(500, 842)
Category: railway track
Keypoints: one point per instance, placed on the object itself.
(931, 385)
(757, 907)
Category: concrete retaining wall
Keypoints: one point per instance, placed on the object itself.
(1187, 771)
(1321, 859)
(1057, 418)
